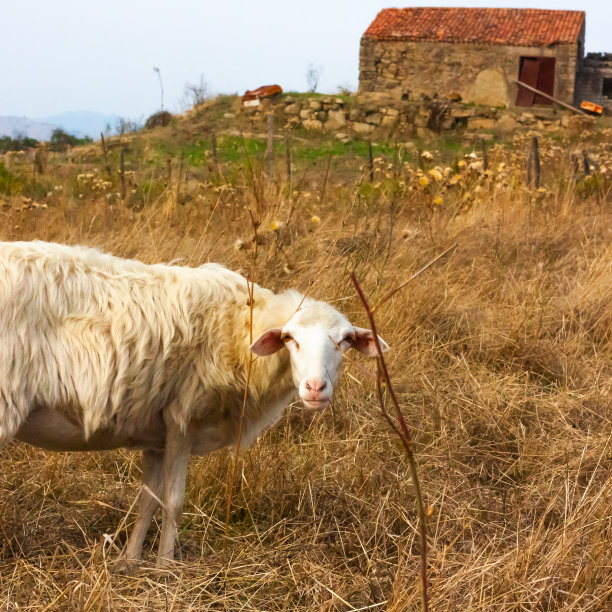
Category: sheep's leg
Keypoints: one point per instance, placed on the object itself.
(12, 418)
(176, 459)
(152, 471)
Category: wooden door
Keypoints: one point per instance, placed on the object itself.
(539, 72)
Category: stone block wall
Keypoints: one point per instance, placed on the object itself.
(483, 74)
(595, 68)
(382, 115)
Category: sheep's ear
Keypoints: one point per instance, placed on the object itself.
(268, 343)
(364, 342)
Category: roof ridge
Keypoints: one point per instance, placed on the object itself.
(510, 26)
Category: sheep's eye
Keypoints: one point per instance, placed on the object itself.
(348, 338)
(286, 338)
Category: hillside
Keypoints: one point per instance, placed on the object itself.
(500, 356)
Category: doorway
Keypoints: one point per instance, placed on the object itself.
(539, 72)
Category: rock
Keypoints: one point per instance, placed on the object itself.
(362, 128)
(580, 123)
(315, 105)
(454, 96)
(335, 120)
(506, 124)
(462, 112)
(305, 113)
(424, 134)
(342, 137)
(379, 98)
(489, 88)
(356, 113)
(312, 124)
(374, 118)
(291, 109)
(388, 121)
(481, 123)
(391, 112)
(527, 118)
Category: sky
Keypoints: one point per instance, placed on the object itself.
(68, 55)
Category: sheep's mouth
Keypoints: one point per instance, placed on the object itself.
(317, 404)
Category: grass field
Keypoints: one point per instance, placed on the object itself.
(500, 354)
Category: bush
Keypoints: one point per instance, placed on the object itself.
(9, 183)
(21, 143)
(61, 140)
(159, 119)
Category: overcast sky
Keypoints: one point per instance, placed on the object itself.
(64, 55)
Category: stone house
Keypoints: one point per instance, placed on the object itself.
(595, 79)
(476, 54)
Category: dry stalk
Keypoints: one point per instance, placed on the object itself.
(403, 284)
(251, 293)
(383, 379)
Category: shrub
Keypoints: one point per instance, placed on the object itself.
(61, 140)
(159, 119)
(9, 183)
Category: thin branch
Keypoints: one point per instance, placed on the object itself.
(402, 285)
(404, 434)
(251, 294)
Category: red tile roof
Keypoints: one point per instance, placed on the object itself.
(494, 26)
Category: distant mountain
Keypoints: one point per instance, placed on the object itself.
(22, 126)
(82, 123)
(77, 123)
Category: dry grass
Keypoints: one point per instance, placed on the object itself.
(500, 356)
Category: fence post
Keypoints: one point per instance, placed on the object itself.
(485, 157)
(371, 161)
(288, 158)
(269, 155)
(122, 171)
(536, 161)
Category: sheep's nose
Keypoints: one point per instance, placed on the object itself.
(315, 385)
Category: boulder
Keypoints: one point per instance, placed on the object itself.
(312, 124)
(362, 128)
(506, 124)
(481, 123)
(335, 120)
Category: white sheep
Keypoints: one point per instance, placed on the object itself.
(98, 352)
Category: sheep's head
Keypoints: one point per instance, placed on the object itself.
(316, 336)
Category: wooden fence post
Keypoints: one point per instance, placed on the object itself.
(214, 151)
(269, 155)
(485, 157)
(105, 155)
(533, 164)
(288, 158)
(585, 163)
(122, 171)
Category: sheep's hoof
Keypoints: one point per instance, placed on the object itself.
(128, 567)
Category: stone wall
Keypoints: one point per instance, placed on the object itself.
(383, 115)
(483, 74)
(595, 68)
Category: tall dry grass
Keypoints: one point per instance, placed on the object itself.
(500, 357)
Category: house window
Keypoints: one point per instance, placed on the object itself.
(606, 90)
(539, 72)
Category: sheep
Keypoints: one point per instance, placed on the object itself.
(99, 353)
